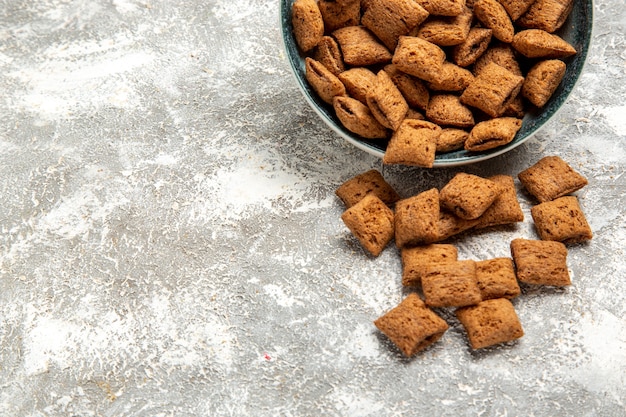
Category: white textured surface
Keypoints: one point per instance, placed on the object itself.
(170, 242)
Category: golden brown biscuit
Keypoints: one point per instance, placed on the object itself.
(413, 144)
(357, 118)
(411, 325)
(416, 259)
(451, 139)
(452, 78)
(468, 195)
(328, 54)
(413, 89)
(492, 133)
(370, 182)
(360, 47)
(550, 178)
(325, 83)
(443, 7)
(540, 262)
(450, 225)
(516, 8)
(419, 58)
(371, 222)
(542, 81)
(501, 54)
(390, 19)
(492, 90)
(537, 43)
(413, 114)
(496, 278)
(358, 82)
(387, 102)
(548, 15)
(451, 284)
(447, 110)
(506, 208)
(308, 25)
(476, 43)
(493, 16)
(561, 220)
(416, 219)
(516, 107)
(491, 322)
(339, 13)
(447, 31)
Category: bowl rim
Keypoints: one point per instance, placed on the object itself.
(446, 159)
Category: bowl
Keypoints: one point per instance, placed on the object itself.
(576, 30)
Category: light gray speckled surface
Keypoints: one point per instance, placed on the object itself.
(170, 242)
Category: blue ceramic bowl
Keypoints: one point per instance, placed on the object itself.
(576, 30)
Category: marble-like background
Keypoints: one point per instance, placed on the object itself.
(170, 242)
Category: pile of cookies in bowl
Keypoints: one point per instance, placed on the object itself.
(436, 82)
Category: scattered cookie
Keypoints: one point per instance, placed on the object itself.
(450, 225)
(451, 284)
(490, 322)
(370, 182)
(496, 278)
(561, 220)
(411, 325)
(416, 219)
(550, 178)
(416, 259)
(540, 262)
(371, 222)
(468, 196)
(506, 208)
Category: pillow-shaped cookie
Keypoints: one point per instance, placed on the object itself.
(414, 143)
(476, 43)
(492, 133)
(419, 58)
(308, 25)
(387, 102)
(360, 47)
(542, 81)
(357, 118)
(325, 83)
(537, 43)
